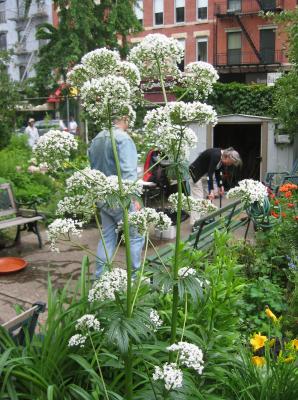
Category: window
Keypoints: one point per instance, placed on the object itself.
(139, 11)
(267, 45)
(3, 42)
(202, 46)
(158, 12)
(180, 10)
(234, 48)
(182, 62)
(234, 5)
(202, 9)
(22, 72)
(2, 12)
(268, 5)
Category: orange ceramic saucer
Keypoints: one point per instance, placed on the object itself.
(11, 264)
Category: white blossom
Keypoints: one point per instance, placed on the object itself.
(147, 218)
(54, 148)
(87, 322)
(201, 206)
(77, 76)
(108, 284)
(186, 271)
(199, 78)
(155, 319)
(170, 374)
(77, 340)
(107, 97)
(250, 192)
(101, 62)
(190, 355)
(63, 229)
(156, 54)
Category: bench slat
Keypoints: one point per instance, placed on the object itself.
(19, 319)
(19, 221)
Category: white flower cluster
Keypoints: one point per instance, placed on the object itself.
(108, 85)
(107, 96)
(170, 374)
(87, 322)
(155, 319)
(54, 148)
(166, 126)
(108, 284)
(87, 187)
(63, 229)
(156, 54)
(77, 340)
(190, 355)
(147, 218)
(250, 191)
(186, 271)
(199, 78)
(201, 206)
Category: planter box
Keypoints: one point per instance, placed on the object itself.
(166, 235)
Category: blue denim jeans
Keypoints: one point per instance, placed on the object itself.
(110, 218)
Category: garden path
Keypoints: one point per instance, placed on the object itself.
(30, 285)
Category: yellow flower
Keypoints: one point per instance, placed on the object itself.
(258, 341)
(258, 361)
(294, 344)
(270, 314)
(289, 359)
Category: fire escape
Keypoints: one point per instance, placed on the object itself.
(25, 24)
(261, 57)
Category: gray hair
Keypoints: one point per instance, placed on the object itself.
(233, 155)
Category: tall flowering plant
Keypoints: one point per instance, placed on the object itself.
(110, 88)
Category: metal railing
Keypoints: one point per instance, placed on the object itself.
(238, 57)
(247, 6)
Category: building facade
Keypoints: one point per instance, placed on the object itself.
(17, 33)
(230, 34)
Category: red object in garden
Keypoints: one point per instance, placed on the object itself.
(12, 264)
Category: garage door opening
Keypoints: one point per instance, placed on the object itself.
(246, 139)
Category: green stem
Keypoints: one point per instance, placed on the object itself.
(128, 358)
(99, 369)
(159, 259)
(102, 238)
(176, 267)
(162, 84)
(141, 273)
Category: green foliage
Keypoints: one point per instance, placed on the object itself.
(8, 100)
(83, 26)
(239, 98)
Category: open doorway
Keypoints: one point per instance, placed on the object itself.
(246, 139)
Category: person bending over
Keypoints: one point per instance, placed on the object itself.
(210, 162)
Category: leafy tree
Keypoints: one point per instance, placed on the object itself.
(8, 100)
(285, 98)
(83, 26)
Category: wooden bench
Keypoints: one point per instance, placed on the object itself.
(11, 215)
(227, 219)
(24, 324)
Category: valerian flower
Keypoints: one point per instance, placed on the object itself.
(101, 62)
(54, 148)
(258, 341)
(258, 361)
(249, 191)
(88, 322)
(108, 284)
(190, 355)
(170, 374)
(201, 206)
(77, 340)
(63, 229)
(147, 218)
(199, 78)
(157, 55)
(155, 319)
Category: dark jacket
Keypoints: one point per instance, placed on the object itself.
(207, 163)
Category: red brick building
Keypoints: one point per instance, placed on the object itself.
(230, 34)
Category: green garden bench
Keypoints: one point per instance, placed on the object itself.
(226, 219)
(11, 215)
(24, 324)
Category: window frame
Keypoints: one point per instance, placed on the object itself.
(202, 39)
(175, 12)
(140, 7)
(197, 11)
(154, 13)
(241, 47)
